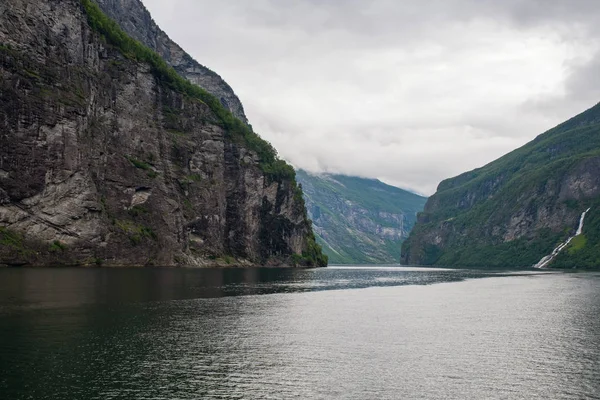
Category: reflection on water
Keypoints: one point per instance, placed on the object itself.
(189, 334)
(52, 288)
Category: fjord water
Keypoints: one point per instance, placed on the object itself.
(336, 333)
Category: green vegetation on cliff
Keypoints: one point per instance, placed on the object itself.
(516, 209)
(273, 167)
(171, 213)
(359, 220)
(584, 250)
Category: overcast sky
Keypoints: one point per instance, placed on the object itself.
(410, 92)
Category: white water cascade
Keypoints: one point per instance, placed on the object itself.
(548, 259)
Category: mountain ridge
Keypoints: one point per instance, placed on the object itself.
(135, 19)
(516, 209)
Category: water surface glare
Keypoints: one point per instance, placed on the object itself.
(336, 333)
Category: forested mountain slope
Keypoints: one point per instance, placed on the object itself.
(515, 210)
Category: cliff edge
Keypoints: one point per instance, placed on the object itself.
(109, 157)
(135, 20)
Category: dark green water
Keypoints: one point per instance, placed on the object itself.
(336, 333)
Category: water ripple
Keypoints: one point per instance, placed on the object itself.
(179, 334)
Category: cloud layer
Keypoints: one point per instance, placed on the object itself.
(409, 92)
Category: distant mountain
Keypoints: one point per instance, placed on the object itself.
(359, 220)
(519, 208)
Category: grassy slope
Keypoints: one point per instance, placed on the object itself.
(347, 243)
(522, 178)
(584, 250)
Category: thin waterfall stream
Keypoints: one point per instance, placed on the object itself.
(544, 262)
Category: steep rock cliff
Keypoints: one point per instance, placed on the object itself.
(357, 220)
(107, 157)
(133, 17)
(515, 210)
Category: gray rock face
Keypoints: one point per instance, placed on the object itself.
(100, 163)
(134, 18)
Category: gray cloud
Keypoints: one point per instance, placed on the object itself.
(410, 92)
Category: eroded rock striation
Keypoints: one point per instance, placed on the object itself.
(519, 208)
(109, 158)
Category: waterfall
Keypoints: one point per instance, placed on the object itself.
(580, 229)
(548, 259)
